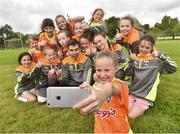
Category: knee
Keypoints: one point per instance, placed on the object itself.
(132, 115)
(135, 113)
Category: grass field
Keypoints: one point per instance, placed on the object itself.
(18, 117)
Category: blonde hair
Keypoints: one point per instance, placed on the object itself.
(107, 54)
(46, 49)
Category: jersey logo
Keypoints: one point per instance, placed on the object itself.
(106, 113)
(146, 63)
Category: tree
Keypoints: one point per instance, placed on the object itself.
(176, 29)
(112, 26)
(146, 27)
(6, 32)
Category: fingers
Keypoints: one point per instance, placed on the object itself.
(38, 65)
(90, 109)
(84, 85)
(51, 72)
(87, 105)
(130, 51)
(83, 103)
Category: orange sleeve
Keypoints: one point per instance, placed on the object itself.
(124, 92)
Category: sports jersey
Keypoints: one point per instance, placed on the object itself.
(26, 81)
(75, 72)
(112, 117)
(145, 71)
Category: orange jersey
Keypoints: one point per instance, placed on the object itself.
(21, 69)
(112, 117)
(36, 55)
(43, 37)
(132, 37)
(113, 48)
(76, 37)
(45, 62)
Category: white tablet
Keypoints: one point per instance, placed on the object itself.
(65, 97)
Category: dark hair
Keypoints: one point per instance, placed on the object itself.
(21, 55)
(88, 35)
(69, 29)
(47, 22)
(128, 17)
(103, 34)
(97, 9)
(73, 42)
(58, 16)
(148, 37)
(107, 54)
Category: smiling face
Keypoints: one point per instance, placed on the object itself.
(49, 31)
(78, 29)
(125, 26)
(61, 23)
(26, 61)
(98, 15)
(50, 54)
(63, 39)
(145, 47)
(33, 43)
(105, 69)
(100, 42)
(85, 43)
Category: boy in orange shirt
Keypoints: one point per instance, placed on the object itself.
(109, 98)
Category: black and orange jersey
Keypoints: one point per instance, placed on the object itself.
(75, 72)
(26, 78)
(45, 68)
(145, 71)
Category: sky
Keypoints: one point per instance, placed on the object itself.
(26, 16)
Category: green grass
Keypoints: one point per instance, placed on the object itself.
(30, 117)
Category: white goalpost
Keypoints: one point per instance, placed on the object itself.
(13, 43)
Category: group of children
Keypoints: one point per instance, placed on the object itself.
(80, 54)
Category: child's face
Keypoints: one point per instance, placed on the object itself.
(61, 23)
(105, 69)
(33, 43)
(78, 29)
(49, 31)
(26, 61)
(74, 51)
(50, 55)
(125, 27)
(98, 16)
(145, 47)
(63, 39)
(85, 43)
(100, 42)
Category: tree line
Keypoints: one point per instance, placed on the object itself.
(167, 27)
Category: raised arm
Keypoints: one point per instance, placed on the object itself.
(100, 93)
